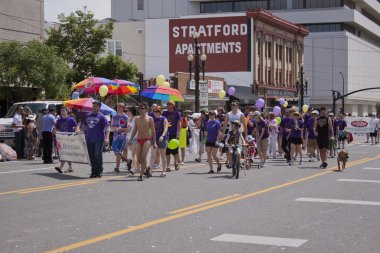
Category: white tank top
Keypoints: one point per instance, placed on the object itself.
(131, 123)
(233, 117)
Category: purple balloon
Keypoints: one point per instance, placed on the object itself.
(260, 103)
(282, 101)
(276, 110)
(231, 91)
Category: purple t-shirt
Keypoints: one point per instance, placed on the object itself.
(119, 121)
(173, 118)
(296, 133)
(309, 125)
(213, 128)
(341, 123)
(159, 127)
(95, 125)
(285, 124)
(262, 126)
(66, 124)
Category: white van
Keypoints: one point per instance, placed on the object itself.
(6, 131)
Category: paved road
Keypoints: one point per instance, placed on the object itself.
(279, 208)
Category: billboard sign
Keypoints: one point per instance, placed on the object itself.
(225, 41)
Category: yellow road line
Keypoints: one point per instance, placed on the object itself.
(203, 204)
(193, 211)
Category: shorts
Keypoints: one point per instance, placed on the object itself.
(262, 145)
(211, 144)
(171, 151)
(323, 142)
(162, 145)
(126, 146)
(311, 145)
(373, 134)
(238, 150)
(118, 146)
(295, 141)
(341, 135)
(332, 143)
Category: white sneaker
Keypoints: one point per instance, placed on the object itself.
(262, 165)
(301, 162)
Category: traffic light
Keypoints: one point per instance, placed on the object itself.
(338, 95)
(334, 93)
(174, 82)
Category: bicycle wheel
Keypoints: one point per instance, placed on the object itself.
(233, 168)
(237, 168)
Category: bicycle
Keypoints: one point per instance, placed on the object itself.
(235, 161)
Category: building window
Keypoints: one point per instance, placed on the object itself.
(290, 54)
(269, 49)
(280, 76)
(280, 53)
(328, 27)
(290, 78)
(269, 76)
(302, 4)
(140, 5)
(258, 46)
(115, 47)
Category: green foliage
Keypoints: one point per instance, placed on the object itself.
(114, 67)
(79, 40)
(378, 108)
(33, 65)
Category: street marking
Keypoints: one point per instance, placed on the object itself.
(17, 171)
(367, 168)
(203, 204)
(193, 211)
(263, 240)
(358, 180)
(340, 201)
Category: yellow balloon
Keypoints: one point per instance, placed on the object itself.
(166, 84)
(305, 108)
(160, 79)
(222, 94)
(103, 90)
(285, 104)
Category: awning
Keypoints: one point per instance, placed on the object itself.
(244, 94)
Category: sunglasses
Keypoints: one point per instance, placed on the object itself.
(233, 104)
(156, 111)
(142, 108)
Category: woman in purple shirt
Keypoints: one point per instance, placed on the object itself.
(213, 127)
(262, 134)
(295, 137)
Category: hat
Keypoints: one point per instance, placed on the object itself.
(331, 114)
(256, 113)
(44, 110)
(315, 112)
(32, 117)
(52, 109)
(97, 102)
(205, 111)
(296, 113)
(170, 102)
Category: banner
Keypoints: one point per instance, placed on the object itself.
(360, 125)
(72, 147)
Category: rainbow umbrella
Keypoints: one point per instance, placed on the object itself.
(92, 84)
(85, 104)
(162, 93)
(124, 88)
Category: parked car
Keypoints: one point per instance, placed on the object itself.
(6, 131)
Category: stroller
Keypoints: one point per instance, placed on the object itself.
(251, 151)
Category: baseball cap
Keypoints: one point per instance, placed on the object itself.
(171, 102)
(315, 112)
(97, 102)
(256, 113)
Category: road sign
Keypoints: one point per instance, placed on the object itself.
(203, 99)
(306, 100)
(203, 86)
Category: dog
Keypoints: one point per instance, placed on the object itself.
(342, 158)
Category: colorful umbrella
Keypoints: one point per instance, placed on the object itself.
(85, 104)
(124, 88)
(162, 93)
(92, 84)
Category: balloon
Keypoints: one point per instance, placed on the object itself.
(231, 91)
(305, 108)
(276, 111)
(166, 84)
(103, 90)
(278, 120)
(160, 79)
(222, 94)
(173, 144)
(282, 101)
(285, 104)
(260, 103)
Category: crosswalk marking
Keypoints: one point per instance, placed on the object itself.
(340, 201)
(358, 180)
(367, 168)
(263, 240)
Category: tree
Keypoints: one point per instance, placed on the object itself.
(32, 65)
(114, 67)
(79, 39)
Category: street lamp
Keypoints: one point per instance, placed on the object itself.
(342, 92)
(196, 67)
(301, 86)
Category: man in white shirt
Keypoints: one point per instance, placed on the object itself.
(18, 130)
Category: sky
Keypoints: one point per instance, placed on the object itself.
(100, 8)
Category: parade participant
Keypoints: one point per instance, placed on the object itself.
(161, 130)
(373, 134)
(285, 131)
(132, 162)
(213, 127)
(119, 127)
(323, 130)
(295, 137)
(273, 127)
(183, 140)
(262, 135)
(334, 140)
(174, 121)
(377, 126)
(67, 124)
(340, 130)
(145, 134)
(30, 137)
(235, 137)
(39, 125)
(202, 125)
(312, 146)
(47, 135)
(18, 131)
(96, 124)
